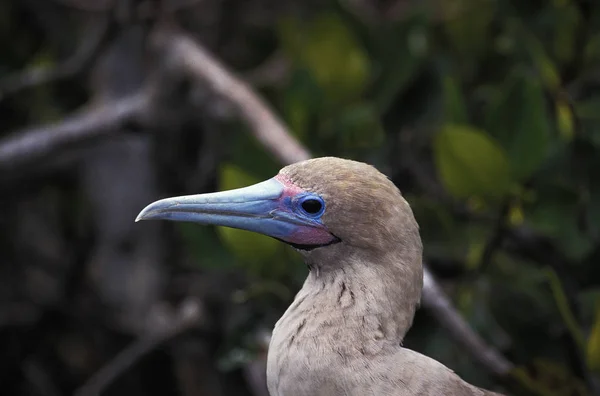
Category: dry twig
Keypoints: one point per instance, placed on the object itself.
(34, 143)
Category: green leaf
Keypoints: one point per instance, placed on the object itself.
(556, 215)
(592, 51)
(588, 115)
(471, 163)
(519, 120)
(249, 247)
(302, 102)
(546, 378)
(454, 102)
(358, 127)
(400, 51)
(330, 51)
(593, 206)
(564, 309)
(567, 21)
(468, 23)
(565, 120)
(549, 74)
(589, 109)
(593, 343)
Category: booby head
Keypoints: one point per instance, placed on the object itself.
(318, 206)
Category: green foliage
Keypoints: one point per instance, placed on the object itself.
(519, 120)
(455, 110)
(323, 101)
(504, 134)
(552, 215)
(302, 101)
(470, 163)
(545, 66)
(400, 52)
(497, 102)
(330, 51)
(492, 103)
(565, 120)
(356, 127)
(547, 378)
(593, 343)
(568, 20)
(563, 306)
(467, 24)
(592, 50)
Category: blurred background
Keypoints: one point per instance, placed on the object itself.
(485, 113)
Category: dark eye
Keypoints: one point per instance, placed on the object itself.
(312, 206)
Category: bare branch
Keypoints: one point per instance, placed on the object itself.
(202, 67)
(34, 143)
(188, 315)
(438, 303)
(269, 130)
(83, 57)
(273, 71)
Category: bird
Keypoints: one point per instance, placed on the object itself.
(343, 332)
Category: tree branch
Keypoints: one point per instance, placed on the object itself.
(197, 63)
(32, 144)
(268, 129)
(438, 303)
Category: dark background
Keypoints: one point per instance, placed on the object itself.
(485, 113)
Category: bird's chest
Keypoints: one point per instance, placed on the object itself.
(292, 371)
(317, 358)
(327, 341)
(301, 362)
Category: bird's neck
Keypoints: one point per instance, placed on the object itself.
(365, 305)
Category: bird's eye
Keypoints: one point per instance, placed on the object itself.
(312, 205)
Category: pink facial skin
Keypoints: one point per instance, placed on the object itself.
(311, 236)
(290, 189)
(314, 232)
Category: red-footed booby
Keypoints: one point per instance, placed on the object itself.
(342, 335)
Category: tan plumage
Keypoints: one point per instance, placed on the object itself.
(342, 335)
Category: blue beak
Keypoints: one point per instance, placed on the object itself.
(259, 208)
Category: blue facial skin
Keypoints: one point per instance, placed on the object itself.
(262, 208)
(294, 205)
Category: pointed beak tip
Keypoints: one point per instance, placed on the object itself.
(245, 208)
(143, 215)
